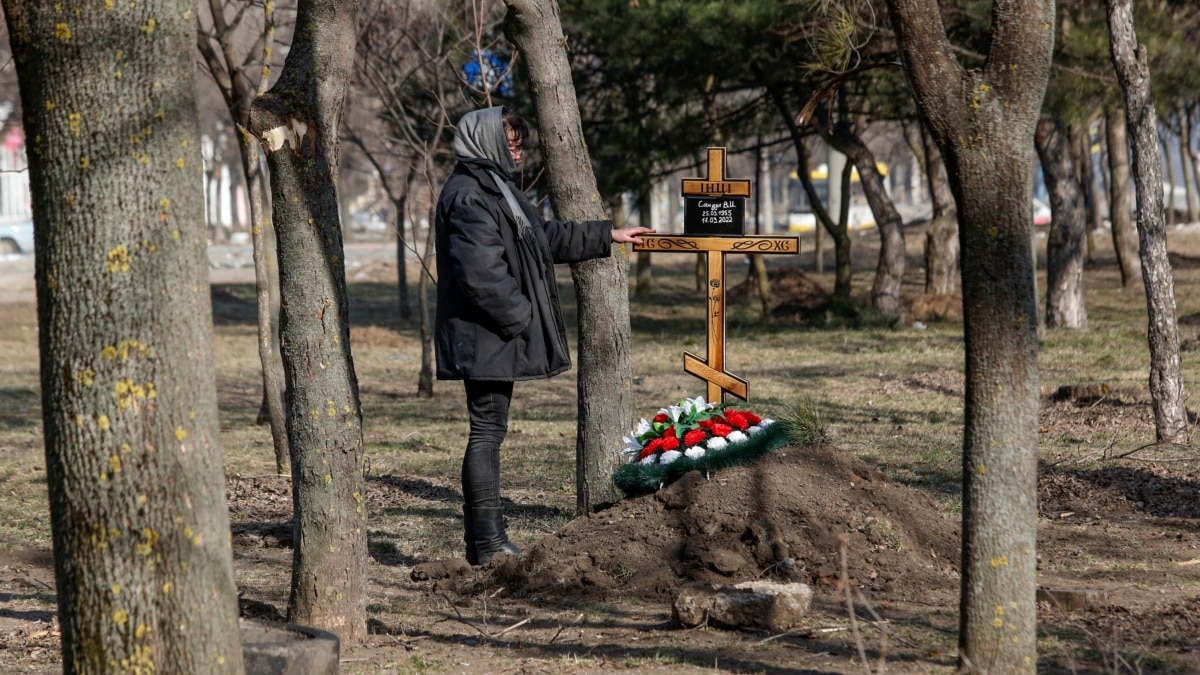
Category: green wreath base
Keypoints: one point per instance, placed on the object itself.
(638, 479)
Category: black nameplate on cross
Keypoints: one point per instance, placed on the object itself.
(714, 221)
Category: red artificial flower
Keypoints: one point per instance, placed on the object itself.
(694, 437)
(737, 420)
(705, 424)
(721, 430)
(669, 432)
(718, 419)
(661, 417)
(751, 417)
(652, 447)
(670, 443)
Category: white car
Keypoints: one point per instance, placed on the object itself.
(16, 237)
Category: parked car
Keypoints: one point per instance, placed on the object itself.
(16, 237)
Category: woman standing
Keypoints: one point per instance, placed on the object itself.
(498, 314)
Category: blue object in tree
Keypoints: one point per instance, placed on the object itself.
(487, 71)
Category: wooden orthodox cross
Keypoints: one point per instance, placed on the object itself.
(714, 219)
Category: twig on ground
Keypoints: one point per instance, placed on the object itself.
(845, 574)
(562, 627)
(802, 632)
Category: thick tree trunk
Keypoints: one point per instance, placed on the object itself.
(885, 290)
(983, 120)
(1120, 209)
(1166, 377)
(941, 235)
(298, 122)
(1065, 306)
(601, 286)
(143, 564)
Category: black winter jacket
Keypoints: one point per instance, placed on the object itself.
(498, 314)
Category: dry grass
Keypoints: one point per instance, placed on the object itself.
(892, 395)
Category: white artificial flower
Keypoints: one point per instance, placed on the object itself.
(736, 436)
(642, 428)
(755, 430)
(674, 412)
(694, 452)
(632, 444)
(716, 443)
(649, 459)
(766, 422)
(693, 406)
(670, 456)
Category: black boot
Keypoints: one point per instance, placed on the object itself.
(486, 535)
(469, 535)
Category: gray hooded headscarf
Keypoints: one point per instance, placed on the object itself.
(480, 135)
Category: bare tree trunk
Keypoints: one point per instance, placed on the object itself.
(885, 290)
(1166, 376)
(601, 286)
(229, 72)
(142, 556)
(1120, 210)
(1091, 190)
(426, 378)
(266, 283)
(1065, 306)
(298, 122)
(1164, 143)
(991, 174)
(644, 272)
(941, 236)
(1191, 181)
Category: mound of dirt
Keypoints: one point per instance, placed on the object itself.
(793, 293)
(784, 517)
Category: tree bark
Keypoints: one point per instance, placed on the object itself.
(229, 71)
(298, 122)
(1065, 306)
(605, 398)
(1120, 211)
(838, 230)
(143, 563)
(983, 120)
(644, 270)
(941, 236)
(1188, 161)
(889, 272)
(1091, 193)
(1166, 377)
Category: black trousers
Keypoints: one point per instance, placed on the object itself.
(487, 408)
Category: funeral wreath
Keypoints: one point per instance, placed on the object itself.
(693, 435)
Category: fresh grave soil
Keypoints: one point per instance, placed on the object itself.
(786, 517)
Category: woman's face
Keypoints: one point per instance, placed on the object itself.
(514, 144)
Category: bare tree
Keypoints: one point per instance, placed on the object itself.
(1166, 377)
(297, 122)
(605, 343)
(233, 74)
(1120, 211)
(1065, 306)
(941, 236)
(983, 120)
(143, 562)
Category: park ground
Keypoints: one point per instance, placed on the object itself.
(1118, 514)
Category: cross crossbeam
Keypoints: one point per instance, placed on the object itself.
(714, 220)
